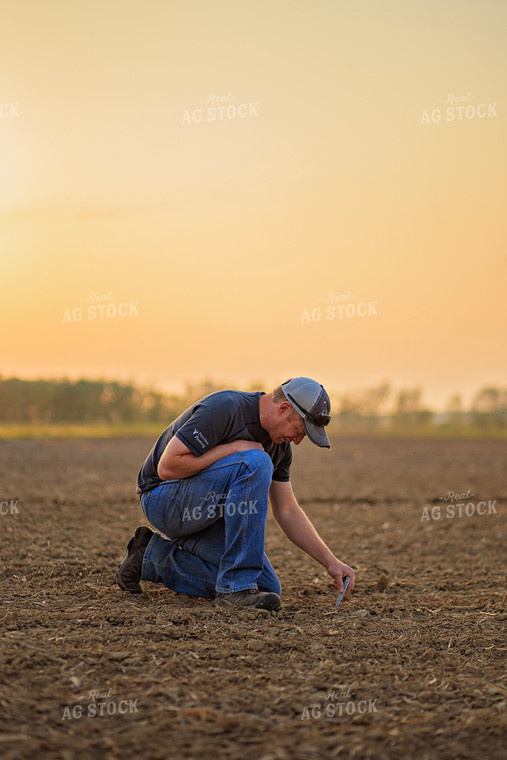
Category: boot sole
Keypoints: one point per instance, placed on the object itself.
(119, 581)
(124, 587)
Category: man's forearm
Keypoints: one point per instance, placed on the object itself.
(185, 465)
(298, 528)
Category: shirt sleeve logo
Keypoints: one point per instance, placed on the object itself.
(200, 438)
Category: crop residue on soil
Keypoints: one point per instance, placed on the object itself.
(420, 645)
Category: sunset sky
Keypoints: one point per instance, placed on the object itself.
(328, 173)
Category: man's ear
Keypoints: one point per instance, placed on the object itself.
(284, 408)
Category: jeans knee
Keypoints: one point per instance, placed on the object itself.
(259, 459)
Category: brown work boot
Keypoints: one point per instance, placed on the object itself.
(128, 574)
(250, 597)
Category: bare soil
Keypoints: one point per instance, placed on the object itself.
(416, 658)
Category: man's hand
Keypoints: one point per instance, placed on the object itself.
(246, 446)
(338, 571)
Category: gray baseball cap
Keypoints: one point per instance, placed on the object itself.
(311, 402)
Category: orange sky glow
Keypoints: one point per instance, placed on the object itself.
(255, 190)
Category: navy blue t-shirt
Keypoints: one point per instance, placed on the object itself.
(221, 417)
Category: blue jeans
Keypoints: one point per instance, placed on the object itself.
(215, 523)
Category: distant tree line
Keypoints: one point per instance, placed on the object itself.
(382, 406)
(47, 401)
(103, 401)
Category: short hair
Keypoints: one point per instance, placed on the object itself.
(279, 395)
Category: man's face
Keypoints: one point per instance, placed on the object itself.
(288, 426)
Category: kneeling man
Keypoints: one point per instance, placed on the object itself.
(206, 485)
